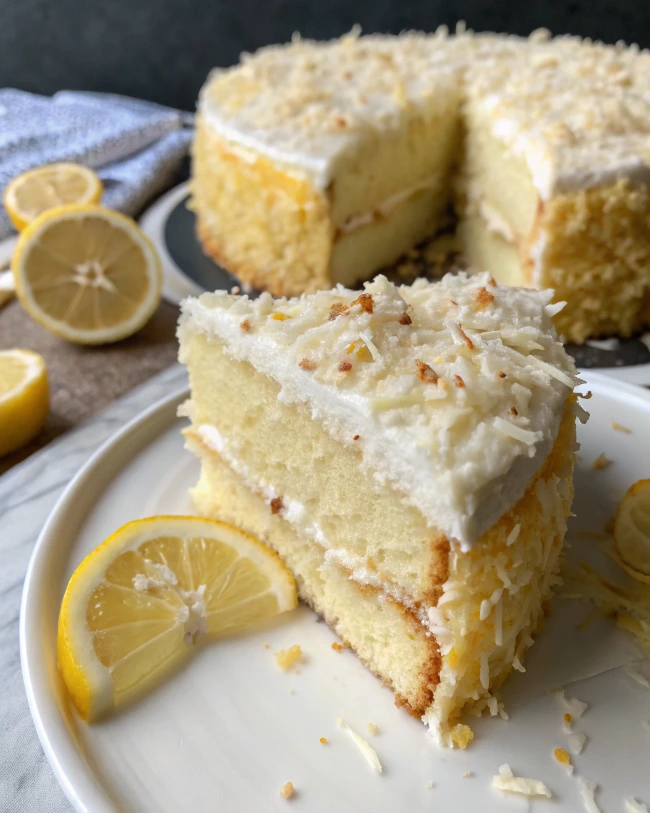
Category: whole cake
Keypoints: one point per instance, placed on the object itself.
(319, 163)
(408, 452)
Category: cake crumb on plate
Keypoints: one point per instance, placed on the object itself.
(618, 427)
(287, 658)
(286, 791)
(562, 756)
(461, 735)
(373, 729)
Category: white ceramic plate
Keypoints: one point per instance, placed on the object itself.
(227, 732)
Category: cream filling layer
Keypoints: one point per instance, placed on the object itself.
(295, 513)
(386, 207)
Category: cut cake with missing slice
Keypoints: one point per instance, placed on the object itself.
(409, 453)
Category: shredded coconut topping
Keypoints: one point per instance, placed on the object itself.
(398, 393)
(506, 782)
(577, 111)
(366, 749)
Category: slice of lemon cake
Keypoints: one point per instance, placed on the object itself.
(318, 163)
(408, 452)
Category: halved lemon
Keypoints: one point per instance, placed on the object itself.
(140, 603)
(24, 398)
(47, 187)
(87, 273)
(632, 531)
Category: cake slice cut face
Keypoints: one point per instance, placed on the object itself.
(556, 174)
(318, 163)
(408, 452)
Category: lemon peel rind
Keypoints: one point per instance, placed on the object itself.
(95, 190)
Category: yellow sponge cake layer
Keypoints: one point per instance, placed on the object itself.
(387, 636)
(408, 452)
(269, 228)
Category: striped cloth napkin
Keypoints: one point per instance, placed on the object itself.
(137, 147)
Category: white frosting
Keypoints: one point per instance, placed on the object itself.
(577, 112)
(416, 373)
(307, 104)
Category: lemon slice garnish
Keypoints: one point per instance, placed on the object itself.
(24, 397)
(632, 531)
(47, 187)
(87, 273)
(140, 603)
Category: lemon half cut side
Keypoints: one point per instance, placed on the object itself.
(87, 273)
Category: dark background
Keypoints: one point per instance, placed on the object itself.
(163, 49)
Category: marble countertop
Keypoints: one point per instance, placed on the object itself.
(84, 380)
(28, 492)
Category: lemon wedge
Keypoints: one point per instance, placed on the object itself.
(24, 398)
(138, 606)
(632, 531)
(87, 273)
(47, 187)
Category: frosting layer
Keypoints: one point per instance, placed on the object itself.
(578, 112)
(454, 390)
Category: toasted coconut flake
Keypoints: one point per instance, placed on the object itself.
(405, 319)
(276, 505)
(366, 749)
(601, 462)
(426, 373)
(345, 366)
(306, 364)
(366, 302)
(337, 309)
(245, 326)
(483, 298)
